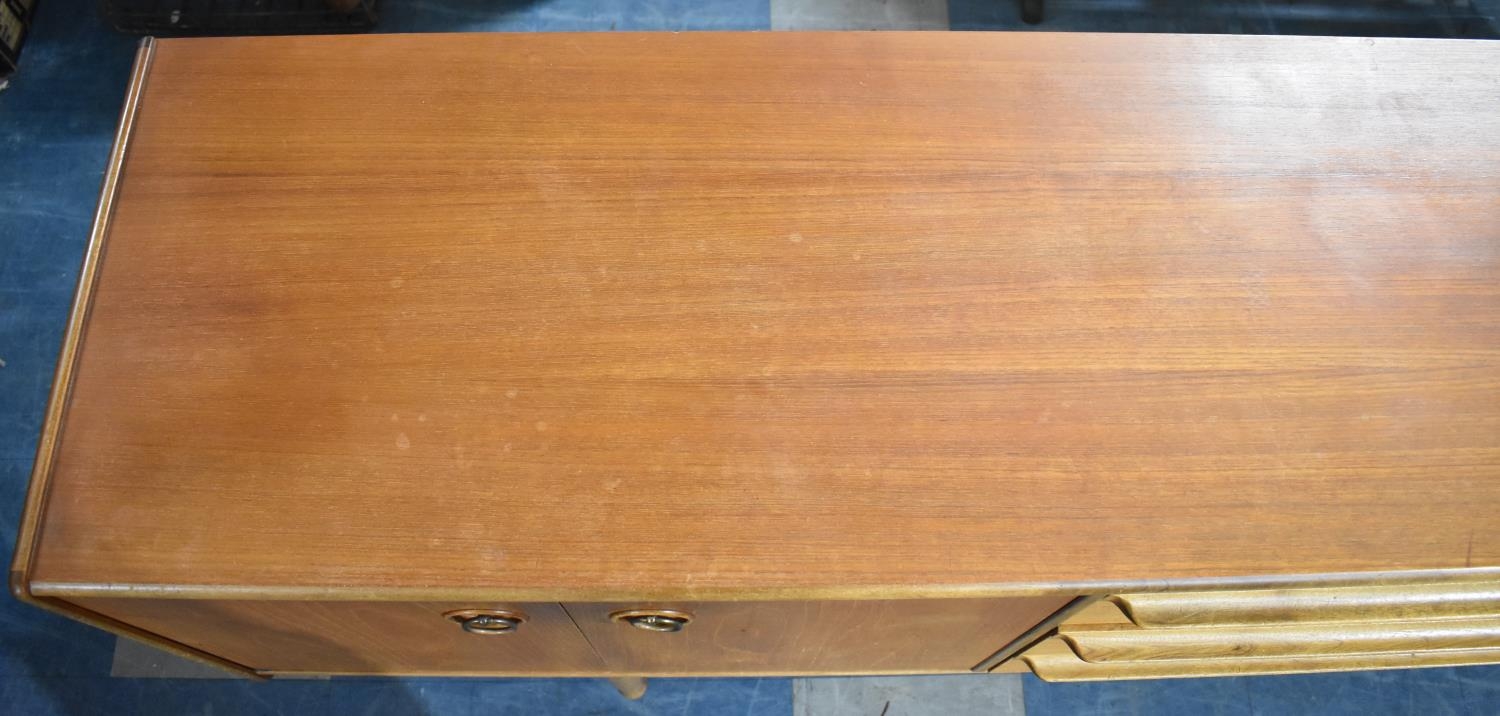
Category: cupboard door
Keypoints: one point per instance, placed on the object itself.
(806, 637)
(368, 637)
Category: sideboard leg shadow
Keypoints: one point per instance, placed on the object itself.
(631, 687)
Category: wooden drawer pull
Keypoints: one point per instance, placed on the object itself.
(1289, 606)
(487, 622)
(657, 620)
(1108, 645)
(1052, 660)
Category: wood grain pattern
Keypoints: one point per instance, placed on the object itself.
(1101, 613)
(833, 637)
(1368, 637)
(34, 507)
(363, 637)
(1052, 660)
(1336, 604)
(691, 315)
(1270, 631)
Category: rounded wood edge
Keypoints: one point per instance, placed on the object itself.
(121, 629)
(1123, 605)
(600, 674)
(1466, 599)
(1283, 641)
(458, 615)
(34, 507)
(625, 614)
(750, 594)
(1054, 661)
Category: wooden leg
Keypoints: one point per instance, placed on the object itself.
(631, 687)
(1031, 11)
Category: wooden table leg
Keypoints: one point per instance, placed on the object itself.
(631, 687)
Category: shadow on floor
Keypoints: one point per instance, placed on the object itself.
(1475, 19)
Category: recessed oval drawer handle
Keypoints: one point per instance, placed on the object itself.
(658, 620)
(487, 622)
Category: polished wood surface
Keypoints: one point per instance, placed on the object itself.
(34, 507)
(746, 316)
(828, 637)
(1101, 613)
(33, 510)
(1268, 631)
(1479, 598)
(1370, 637)
(362, 637)
(1054, 661)
(723, 638)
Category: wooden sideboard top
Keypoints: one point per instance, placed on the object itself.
(716, 315)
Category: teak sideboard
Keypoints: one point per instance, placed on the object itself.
(625, 355)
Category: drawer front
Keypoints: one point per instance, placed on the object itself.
(1105, 645)
(1275, 631)
(367, 637)
(808, 637)
(1399, 602)
(1052, 660)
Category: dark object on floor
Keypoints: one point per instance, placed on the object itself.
(15, 17)
(1031, 11)
(239, 17)
(1468, 19)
